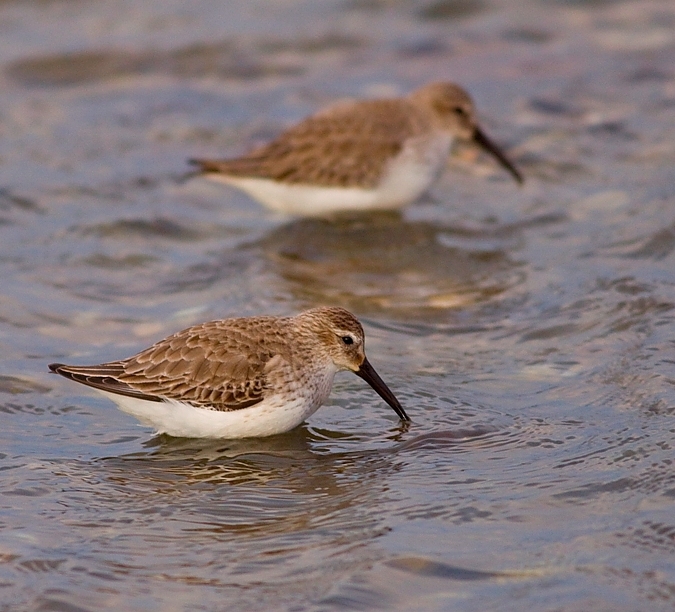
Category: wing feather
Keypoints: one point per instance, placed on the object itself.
(103, 377)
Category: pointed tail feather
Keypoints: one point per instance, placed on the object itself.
(103, 377)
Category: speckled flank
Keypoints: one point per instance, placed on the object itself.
(236, 377)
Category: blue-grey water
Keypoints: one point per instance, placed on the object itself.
(529, 332)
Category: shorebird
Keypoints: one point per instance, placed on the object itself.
(362, 155)
(237, 378)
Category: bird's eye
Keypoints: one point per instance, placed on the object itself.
(347, 340)
(458, 110)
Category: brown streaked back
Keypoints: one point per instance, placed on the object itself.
(219, 365)
(347, 145)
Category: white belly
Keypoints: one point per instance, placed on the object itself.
(274, 415)
(406, 178)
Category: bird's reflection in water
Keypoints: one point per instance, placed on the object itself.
(380, 262)
(293, 456)
(258, 486)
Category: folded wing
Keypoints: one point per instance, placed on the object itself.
(347, 145)
(207, 366)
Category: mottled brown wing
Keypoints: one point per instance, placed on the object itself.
(216, 365)
(345, 146)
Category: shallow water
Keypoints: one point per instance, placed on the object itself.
(527, 331)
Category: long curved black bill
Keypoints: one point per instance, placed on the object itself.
(368, 373)
(481, 139)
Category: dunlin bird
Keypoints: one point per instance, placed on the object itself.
(365, 155)
(237, 378)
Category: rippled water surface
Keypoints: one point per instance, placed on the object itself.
(529, 332)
